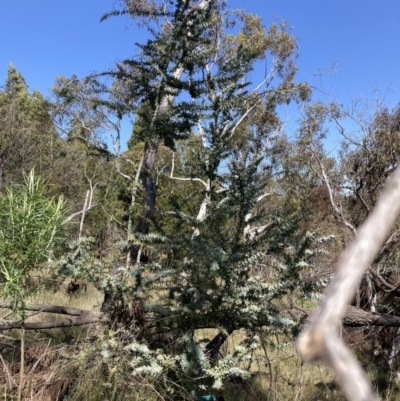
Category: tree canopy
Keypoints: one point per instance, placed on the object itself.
(211, 222)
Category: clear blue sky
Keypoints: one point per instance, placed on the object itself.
(46, 38)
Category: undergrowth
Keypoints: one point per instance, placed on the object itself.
(71, 365)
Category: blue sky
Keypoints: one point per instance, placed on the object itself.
(46, 38)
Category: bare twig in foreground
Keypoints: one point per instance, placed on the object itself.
(321, 339)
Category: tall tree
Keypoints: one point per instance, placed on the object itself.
(27, 134)
(192, 77)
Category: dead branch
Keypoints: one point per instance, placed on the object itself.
(334, 202)
(321, 341)
(355, 317)
(171, 176)
(53, 324)
(69, 218)
(382, 281)
(77, 317)
(62, 310)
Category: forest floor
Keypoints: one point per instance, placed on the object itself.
(277, 372)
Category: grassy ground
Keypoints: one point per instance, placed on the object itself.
(277, 372)
(47, 351)
(90, 299)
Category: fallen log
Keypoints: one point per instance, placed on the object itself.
(354, 317)
(76, 317)
(53, 324)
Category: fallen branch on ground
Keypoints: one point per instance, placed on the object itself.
(354, 317)
(77, 317)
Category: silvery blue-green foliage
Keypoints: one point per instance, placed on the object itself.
(231, 365)
(75, 263)
(191, 362)
(192, 359)
(80, 263)
(299, 258)
(128, 283)
(215, 284)
(209, 281)
(201, 298)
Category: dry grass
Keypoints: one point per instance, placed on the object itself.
(277, 374)
(90, 299)
(47, 352)
(44, 375)
(277, 371)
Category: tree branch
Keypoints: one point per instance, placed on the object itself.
(321, 340)
(182, 179)
(354, 317)
(61, 310)
(77, 317)
(68, 322)
(337, 210)
(70, 217)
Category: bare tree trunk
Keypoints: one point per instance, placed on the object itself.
(394, 350)
(22, 364)
(130, 251)
(150, 192)
(146, 171)
(213, 347)
(1, 178)
(83, 215)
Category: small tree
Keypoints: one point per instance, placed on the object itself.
(189, 86)
(30, 225)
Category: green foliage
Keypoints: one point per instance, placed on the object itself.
(28, 138)
(212, 226)
(29, 234)
(214, 246)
